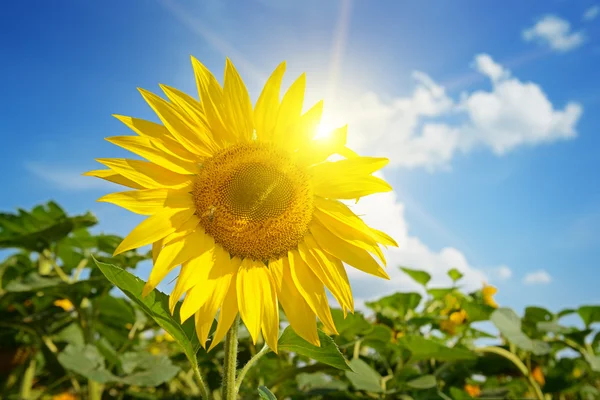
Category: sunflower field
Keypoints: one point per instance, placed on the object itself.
(74, 325)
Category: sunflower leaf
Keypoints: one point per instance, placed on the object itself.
(328, 353)
(156, 305)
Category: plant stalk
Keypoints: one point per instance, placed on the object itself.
(204, 389)
(230, 362)
(27, 382)
(249, 365)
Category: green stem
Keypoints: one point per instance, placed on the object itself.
(230, 362)
(27, 382)
(249, 365)
(204, 389)
(518, 363)
(95, 390)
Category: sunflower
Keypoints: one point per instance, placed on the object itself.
(247, 201)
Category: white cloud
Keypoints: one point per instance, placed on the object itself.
(67, 178)
(501, 273)
(428, 128)
(537, 278)
(554, 32)
(591, 13)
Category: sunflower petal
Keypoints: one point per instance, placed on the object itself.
(193, 272)
(267, 106)
(147, 174)
(184, 230)
(270, 319)
(331, 273)
(250, 284)
(297, 311)
(290, 109)
(318, 150)
(149, 201)
(155, 228)
(190, 106)
(114, 177)
(227, 315)
(352, 255)
(211, 96)
(176, 124)
(302, 133)
(145, 148)
(160, 136)
(311, 288)
(174, 254)
(237, 104)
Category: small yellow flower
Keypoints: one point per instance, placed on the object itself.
(128, 325)
(488, 293)
(65, 396)
(458, 317)
(65, 304)
(577, 373)
(168, 337)
(538, 376)
(449, 327)
(473, 390)
(154, 350)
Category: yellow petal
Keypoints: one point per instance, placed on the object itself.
(156, 249)
(227, 315)
(349, 233)
(219, 281)
(155, 228)
(145, 148)
(190, 106)
(149, 201)
(160, 136)
(318, 150)
(352, 255)
(211, 96)
(213, 274)
(267, 106)
(301, 134)
(176, 124)
(251, 285)
(297, 311)
(349, 178)
(330, 271)
(193, 272)
(237, 104)
(270, 319)
(184, 230)
(174, 254)
(345, 215)
(311, 289)
(147, 174)
(112, 176)
(290, 109)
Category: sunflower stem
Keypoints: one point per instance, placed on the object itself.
(204, 389)
(249, 365)
(230, 362)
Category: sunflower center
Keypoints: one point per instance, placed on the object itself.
(254, 201)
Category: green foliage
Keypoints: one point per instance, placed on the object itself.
(64, 324)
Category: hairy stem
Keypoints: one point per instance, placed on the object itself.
(249, 365)
(230, 362)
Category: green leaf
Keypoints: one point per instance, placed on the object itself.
(477, 311)
(328, 353)
(421, 277)
(424, 349)
(265, 393)
(38, 229)
(438, 293)
(363, 377)
(145, 369)
(396, 305)
(86, 361)
(156, 305)
(589, 314)
(423, 382)
(350, 326)
(455, 274)
(509, 324)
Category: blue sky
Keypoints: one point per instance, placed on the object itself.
(487, 111)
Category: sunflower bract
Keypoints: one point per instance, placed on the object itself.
(248, 204)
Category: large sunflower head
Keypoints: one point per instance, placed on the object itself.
(248, 203)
